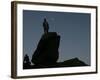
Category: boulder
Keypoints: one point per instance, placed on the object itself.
(47, 52)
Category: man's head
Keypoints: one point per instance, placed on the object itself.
(45, 19)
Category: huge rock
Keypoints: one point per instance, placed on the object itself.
(47, 52)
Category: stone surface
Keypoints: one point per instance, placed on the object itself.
(47, 50)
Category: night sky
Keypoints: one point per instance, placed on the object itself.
(74, 29)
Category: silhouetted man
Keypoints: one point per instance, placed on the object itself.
(26, 59)
(45, 26)
(26, 62)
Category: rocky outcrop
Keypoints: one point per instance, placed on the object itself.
(71, 63)
(74, 62)
(47, 52)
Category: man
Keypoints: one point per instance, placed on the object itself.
(45, 26)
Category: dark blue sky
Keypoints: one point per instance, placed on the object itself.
(74, 29)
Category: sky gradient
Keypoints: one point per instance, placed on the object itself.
(74, 29)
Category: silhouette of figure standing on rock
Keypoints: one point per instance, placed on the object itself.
(45, 26)
(46, 53)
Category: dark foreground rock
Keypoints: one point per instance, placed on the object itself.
(47, 53)
(71, 63)
(75, 62)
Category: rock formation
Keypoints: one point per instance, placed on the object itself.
(47, 52)
(71, 63)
